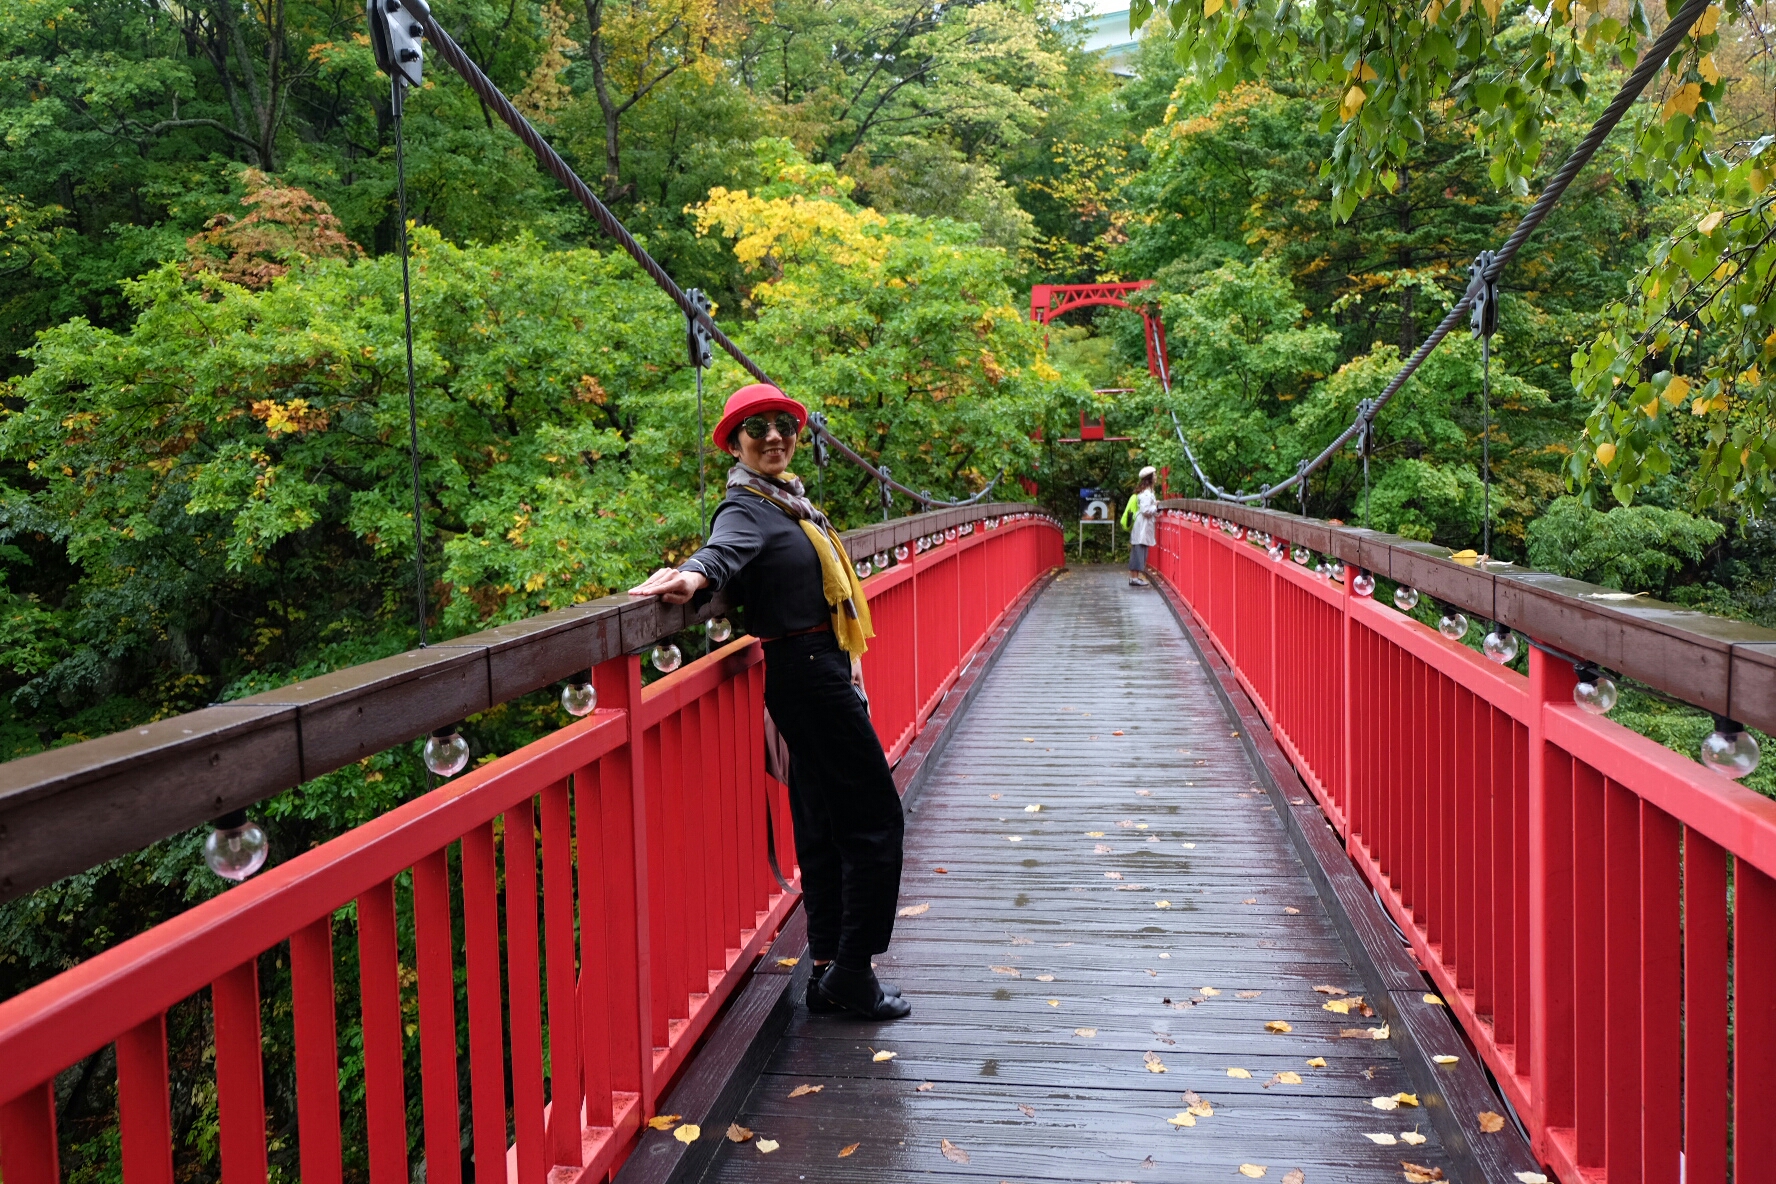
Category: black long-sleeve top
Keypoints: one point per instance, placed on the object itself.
(758, 548)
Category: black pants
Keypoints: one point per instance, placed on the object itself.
(848, 822)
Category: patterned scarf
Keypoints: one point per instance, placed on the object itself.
(838, 578)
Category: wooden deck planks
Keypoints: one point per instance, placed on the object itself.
(1026, 891)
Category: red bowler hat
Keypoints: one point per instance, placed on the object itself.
(753, 400)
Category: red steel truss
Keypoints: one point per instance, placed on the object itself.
(1048, 301)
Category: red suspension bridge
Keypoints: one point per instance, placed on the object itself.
(1139, 844)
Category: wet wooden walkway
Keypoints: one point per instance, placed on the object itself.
(1099, 891)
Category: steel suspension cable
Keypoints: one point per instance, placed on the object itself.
(453, 55)
(1661, 49)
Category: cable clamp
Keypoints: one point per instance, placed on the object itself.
(395, 41)
(697, 339)
(1483, 313)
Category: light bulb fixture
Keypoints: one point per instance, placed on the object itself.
(950, 535)
(1363, 584)
(1336, 570)
(235, 847)
(902, 553)
(1301, 555)
(1595, 692)
(1275, 552)
(446, 752)
(881, 561)
(1730, 750)
(719, 629)
(863, 569)
(1453, 625)
(667, 658)
(1321, 571)
(1499, 645)
(1405, 599)
(579, 697)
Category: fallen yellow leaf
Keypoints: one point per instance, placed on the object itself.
(915, 910)
(1385, 1103)
(1250, 900)
(1197, 1105)
(1054, 1002)
(1239, 1073)
(1162, 904)
(884, 1055)
(1341, 1006)
(1386, 1140)
(1154, 1064)
(1491, 1123)
(738, 1133)
(1027, 740)
(1112, 875)
(1293, 912)
(1014, 838)
(1250, 994)
(1435, 1000)
(1094, 834)
(1532, 1177)
(1088, 1033)
(1317, 1063)
(1011, 970)
(802, 1091)
(1289, 1077)
(1210, 991)
(1419, 1174)
(952, 1152)
(787, 961)
(847, 1151)
(1412, 1137)
(1182, 1118)
(1295, 1176)
(663, 1122)
(1444, 1058)
(687, 1133)
(1045, 978)
(1406, 1099)
(924, 1086)
(1279, 1026)
(766, 1146)
(1331, 990)
(1252, 1170)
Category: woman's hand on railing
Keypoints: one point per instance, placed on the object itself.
(671, 585)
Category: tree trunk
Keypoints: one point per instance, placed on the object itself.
(606, 104)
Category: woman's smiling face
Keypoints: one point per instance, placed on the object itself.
(770, 454)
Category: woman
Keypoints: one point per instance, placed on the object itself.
(784, 563)
(1143, 508)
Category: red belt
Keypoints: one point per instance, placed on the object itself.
(821, 628)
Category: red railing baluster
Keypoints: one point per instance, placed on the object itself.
(481, 958)
(558, 954)
(317, 1052)
(1661, 978)
(524, 989)
(28, 1153)
(379, 984)
(595, 956)
(240, 1075)
(1704, 1013)
(433, 960)
(1621, 981)
(145, 1118)
(1754, 1019)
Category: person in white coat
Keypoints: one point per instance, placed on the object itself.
(1141, 520)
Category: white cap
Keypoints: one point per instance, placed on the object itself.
(1147, 472)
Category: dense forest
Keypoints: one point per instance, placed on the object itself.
(205, 487)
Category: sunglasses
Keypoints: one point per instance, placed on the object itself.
(757, 425)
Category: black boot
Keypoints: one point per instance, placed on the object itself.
(857, 992)
(820, 1004)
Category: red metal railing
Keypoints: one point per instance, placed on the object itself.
(1596, 909)
(598, 893)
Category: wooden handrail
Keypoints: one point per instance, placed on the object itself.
(1719, 665)
(67, 809)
